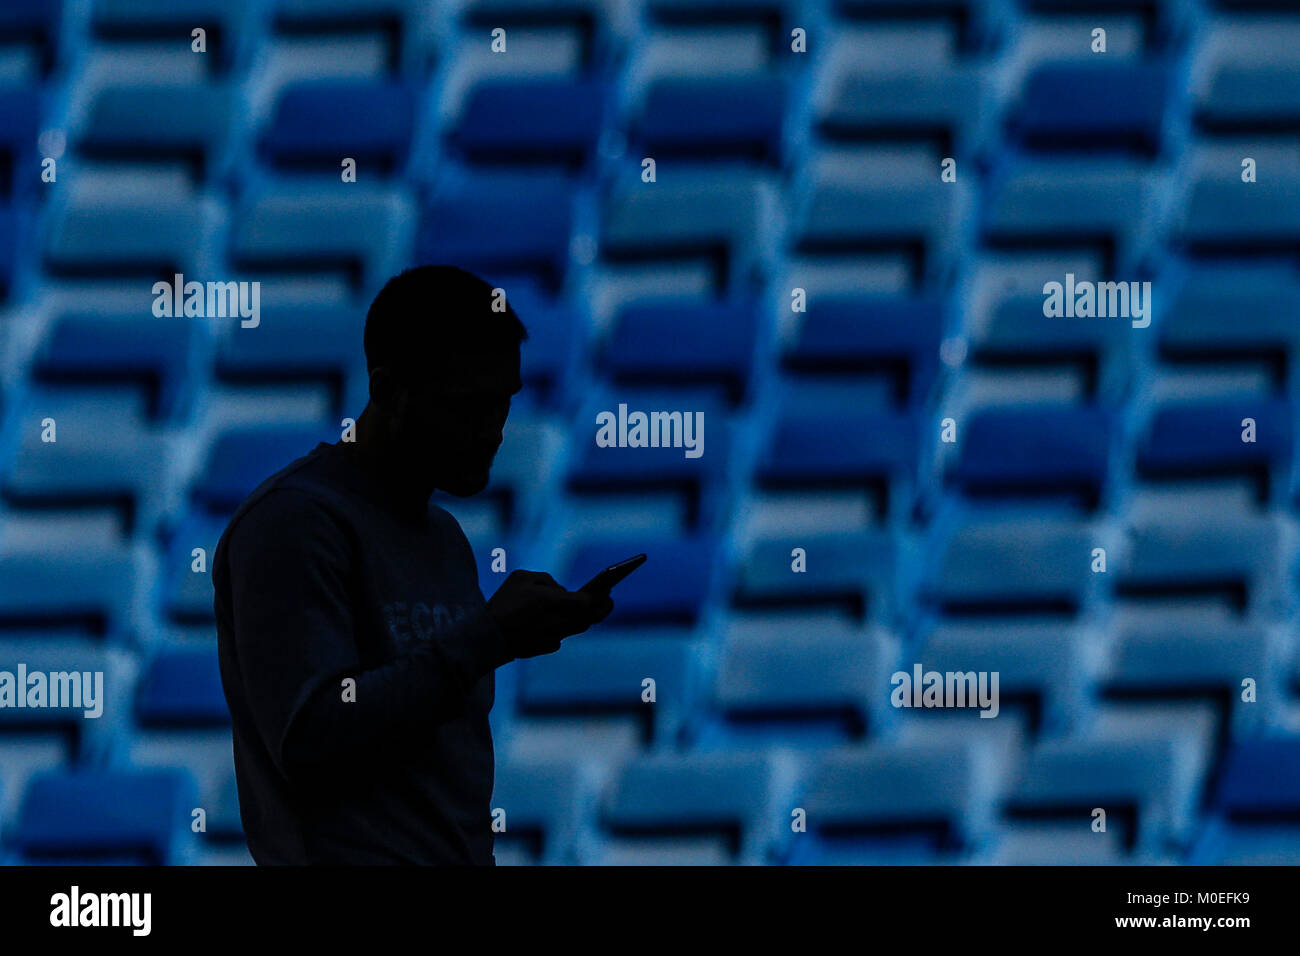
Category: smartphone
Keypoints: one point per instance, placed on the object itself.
(603, 582)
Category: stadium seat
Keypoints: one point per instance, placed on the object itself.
(1015, 334)
(996, 563)
(362, 235)
(158, 354)
(1205, 439)
(317, 123)
(713, 118)
(105, 454)
(160, 121)
(1259, 98)
(892, 803)
(1022, 450)
(940, 104)
(1224, 215)
(181, 686)
(1067, 203)
(110, 236)
(1092, 106)
(861, 571)
(1237, 561)
(607, 676)
(516, 222)
(139, 815)
(1149, 787)
(1261, 778)
(728, 795)
(671, 342)
(798, 680)
(536, 120)
(544, 803)
(718, 218)
(849, 335)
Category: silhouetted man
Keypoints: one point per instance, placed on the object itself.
(357, 653)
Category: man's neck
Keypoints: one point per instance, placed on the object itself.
(374, 455)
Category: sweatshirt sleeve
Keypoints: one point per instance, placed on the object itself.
(290, 587)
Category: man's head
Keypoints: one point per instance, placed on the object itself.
(443, 366)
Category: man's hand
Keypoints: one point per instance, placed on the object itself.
(536, 614)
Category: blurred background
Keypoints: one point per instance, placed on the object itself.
(797, 146)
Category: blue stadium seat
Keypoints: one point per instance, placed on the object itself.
(544, 801)
(1204, 439)
(1260, 307)
(943, 104)
(893, 803)
(670, 587)
(605, 675)
(20, 118)
(1028, 561)
(847, 334)
(796, 680)
(142, 815)
(1092, 106)
(665, 796)
(1261, 777)
(1239, 561)
(160, 121)
(131, 20)
(181, 687)
(715, 217)
(293, 342)
(1026, 449)
(110, 235)
(113, 347)
(548, 120)
(841, 216)
(712, 118)
(696, 482)
(106, 454)
(1188, 657)
(1015, 333)
(1066, 203)
(1149, 787)
(839, 449)
(92, 587)
(518, 223)
(674, 341)
(860, 570)
(319, 122)
(1043, 668)
(362, 234)
(241, 458)
(1225, 215)
(1259, 98)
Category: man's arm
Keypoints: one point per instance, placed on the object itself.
(290, 591)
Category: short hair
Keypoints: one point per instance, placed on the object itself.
(431, 315)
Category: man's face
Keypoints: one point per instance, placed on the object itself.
(453, 423)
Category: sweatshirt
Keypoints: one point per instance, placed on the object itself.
(358, 662)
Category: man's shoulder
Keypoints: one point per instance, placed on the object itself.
(303, 493)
